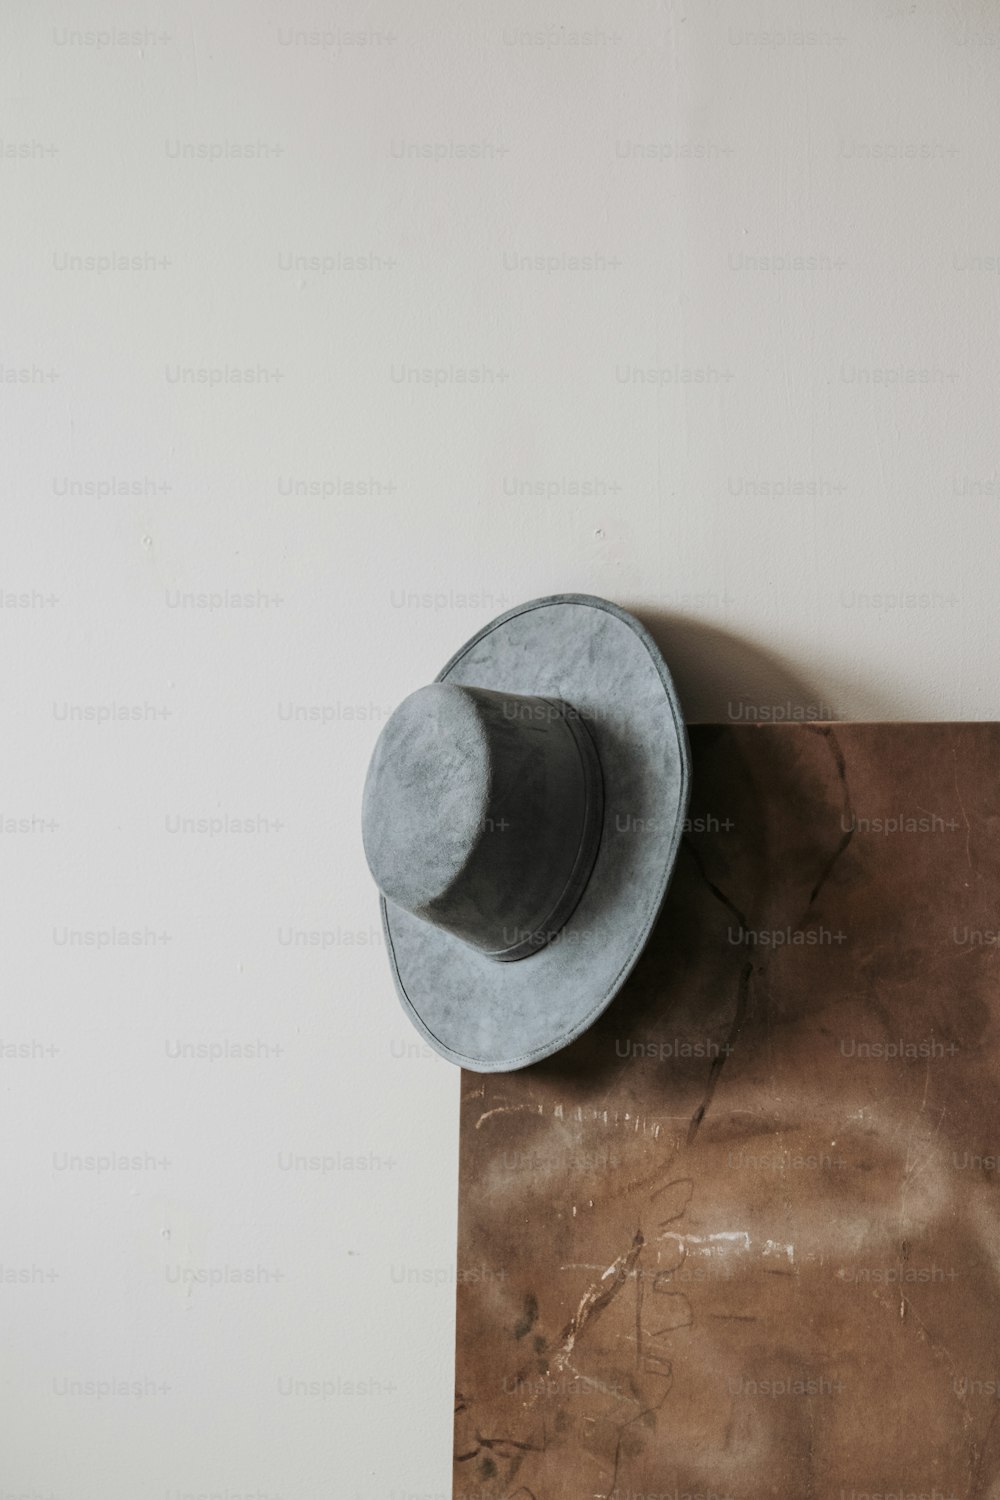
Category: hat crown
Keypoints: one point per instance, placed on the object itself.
(426, 795)
(482, 814)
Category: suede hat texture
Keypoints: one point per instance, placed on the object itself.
(522, 817)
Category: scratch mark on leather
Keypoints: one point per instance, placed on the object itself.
(596, 1298)
(718, 1063)
(841, 764)
(717, 892)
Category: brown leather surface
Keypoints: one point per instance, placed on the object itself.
(742, 1238)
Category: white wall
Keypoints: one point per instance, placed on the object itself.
(682, 148)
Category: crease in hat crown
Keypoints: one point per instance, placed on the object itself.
(482, 815)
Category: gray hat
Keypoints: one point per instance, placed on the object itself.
(522, 817)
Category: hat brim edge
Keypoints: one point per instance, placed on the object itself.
(615, 985)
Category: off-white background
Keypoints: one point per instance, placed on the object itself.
(459, 232)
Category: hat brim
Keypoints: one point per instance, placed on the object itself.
(493, 1017)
